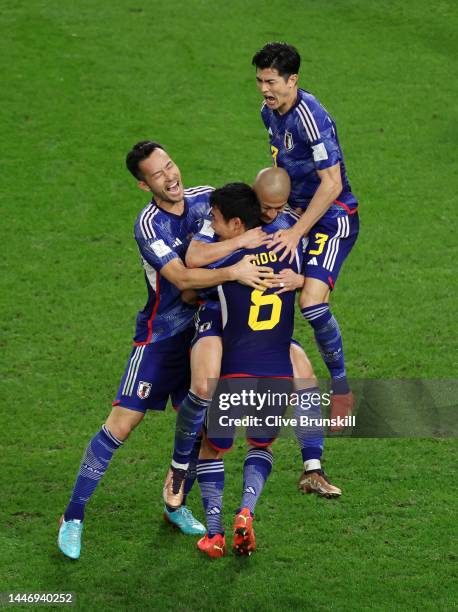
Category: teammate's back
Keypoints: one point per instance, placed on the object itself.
(257, 325)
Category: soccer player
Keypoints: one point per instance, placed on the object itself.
(231, 214)
(158, 366)
(272, 186)
(303, 140)
(253, 346)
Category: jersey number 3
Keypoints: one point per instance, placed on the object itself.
(320, 240)
(274, 152)
(258, 299)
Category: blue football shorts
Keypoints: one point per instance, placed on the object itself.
(330, 242)
(155, 372)
(221, 435)
(208, 322)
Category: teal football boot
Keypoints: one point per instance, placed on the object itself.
(69, 538)
(183, 518)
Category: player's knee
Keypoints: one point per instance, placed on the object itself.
(252, 446)
(119, 430)
(209, 452)
(313, 294)
(302, 366)
(202, 388)
(122, 422)
(307, 299)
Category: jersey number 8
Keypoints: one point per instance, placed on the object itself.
(258, 299)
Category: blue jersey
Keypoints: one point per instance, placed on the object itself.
(257, 325)
(305, 140)
(284, 220)
(161, 237)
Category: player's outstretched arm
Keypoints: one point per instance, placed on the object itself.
(258, 277)
(200, 254)
(328, 190)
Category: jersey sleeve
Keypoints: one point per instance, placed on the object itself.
(206, 233)
(300, 255)
(265, 115)
(316, 127)
(155, 250)
(227, 261)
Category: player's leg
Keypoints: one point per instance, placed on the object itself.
(95, 462)
(256, 470)
(310, 438)
(205, 366)
(133, 395)
(314, 304)
(98, 455)
(330, 242)
(210, 476)
(143, 386)
(191, 474)
(171, 376)
(258, 464)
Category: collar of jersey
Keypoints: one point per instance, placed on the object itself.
(294, 106)
(171, 214)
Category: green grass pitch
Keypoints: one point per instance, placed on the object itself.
(82, 81)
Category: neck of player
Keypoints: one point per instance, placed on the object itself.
(289, 102)
(176, 208)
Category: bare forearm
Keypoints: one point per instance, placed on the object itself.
(201, 254)
(319, 204)
(196, 278)
(243, 271)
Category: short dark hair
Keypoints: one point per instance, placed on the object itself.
(279, 56)
(237, 200)
(138, 153)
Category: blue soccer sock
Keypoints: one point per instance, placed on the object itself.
(190, 419)
(256, 470)
(191, 474)
(94, 464)
(210, 476)
(329, 340)
(309, 435)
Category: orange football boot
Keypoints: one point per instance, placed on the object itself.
(214, 547)
(244, 539)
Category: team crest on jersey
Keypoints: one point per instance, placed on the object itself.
(143, 389)
(289, 144)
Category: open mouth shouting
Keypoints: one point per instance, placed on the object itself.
(270, 100)
(174, 189)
